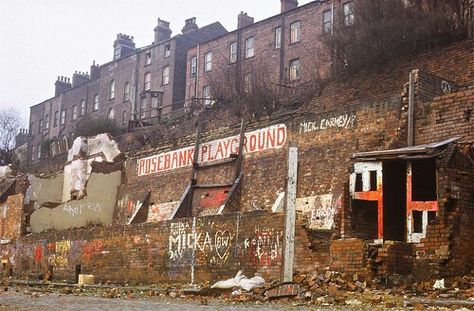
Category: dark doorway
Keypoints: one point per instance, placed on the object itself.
(394, 200)
(365, 219)
(78, 271)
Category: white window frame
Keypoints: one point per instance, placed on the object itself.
(249, 47)
(348, 10)
(327, 24)
(165, 75)
(294, 69)
(126, 91)
(83, 107)
(148, 58)
(233, 52)
(62, 119)
(167, 51)
(206, 95)
(147, 81)
(96, 102)
(193, 67)
(278, 37)
(74, 113)
(208, 61)
(112, 89)
(295, 32)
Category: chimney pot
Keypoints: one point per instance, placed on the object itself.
(243, 20)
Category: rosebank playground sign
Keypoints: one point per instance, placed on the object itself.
(273, 137)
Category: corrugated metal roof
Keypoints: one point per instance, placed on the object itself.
(413, 152)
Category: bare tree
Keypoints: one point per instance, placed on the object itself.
(386, 29)
(10, 124)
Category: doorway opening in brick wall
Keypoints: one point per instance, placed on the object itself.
(394, 200)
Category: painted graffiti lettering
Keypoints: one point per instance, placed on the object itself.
(272, 137)
(265, 247)
(343, 121)
(77, 209)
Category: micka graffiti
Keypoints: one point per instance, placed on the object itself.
(273, 137)
(205, 242)
(343, 121)
(320, 210)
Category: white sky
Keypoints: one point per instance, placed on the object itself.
(42, 39)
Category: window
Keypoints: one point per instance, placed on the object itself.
(233, 52)
(327, 21)
(295, 32)
(74, 112)
(142, 107)
(206, 94)
(194, 65)
(294, 69)
(63, 117)
(277, 37)
(154, 105)
(38, 151)
(126, 91)
(83, 107)
(56, 118)
(46, 123)
(124, 117)
(348, 9)
(117, 52)
(167, 50)
(111, 114)
(33, 152)
(112, 89)
(249, 51)
(96, 102)
(147, 81)
(147, 58)
(248, 85)
(208, 61)
(165, 75)
(40, 127)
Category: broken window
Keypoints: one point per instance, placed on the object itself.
(424, 180)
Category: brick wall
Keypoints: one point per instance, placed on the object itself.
(217, 247)
(11, 217)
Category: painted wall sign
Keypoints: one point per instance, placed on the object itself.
(342, 121)
(272, 137)
(320, 210)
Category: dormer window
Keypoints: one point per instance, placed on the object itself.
(148, 59)
(167, 50)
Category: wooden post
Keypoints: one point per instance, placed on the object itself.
(238, 166)
(290, 214)
(189, 208)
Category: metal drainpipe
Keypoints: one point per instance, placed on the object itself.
(411, 109)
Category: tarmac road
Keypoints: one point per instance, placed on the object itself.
(17, 301)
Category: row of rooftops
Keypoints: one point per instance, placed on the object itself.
(163, 36)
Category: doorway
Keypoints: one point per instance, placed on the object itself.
(394, 200)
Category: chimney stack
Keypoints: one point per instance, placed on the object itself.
(62, 85)
(79, 78)
(123, 45)
(189, 25)
(243, 20)
(95, 72)
(162, 31)
(287, 5)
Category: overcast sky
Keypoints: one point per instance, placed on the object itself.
(42, 39)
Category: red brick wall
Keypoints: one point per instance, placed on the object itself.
(162, 252)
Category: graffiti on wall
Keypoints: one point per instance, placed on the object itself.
(59, 253)
(264, 248)
(210, 242)
(320, 210)
(91, 248)
(162, 211)
(342, 121)
(273, 137)
(75, 209)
